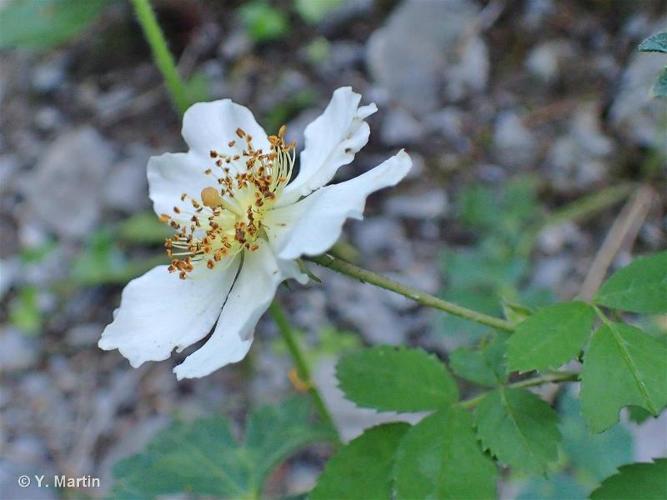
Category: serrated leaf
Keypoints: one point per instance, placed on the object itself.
(440, 458)
(396, 379)
(484, 366)
(363, 468)
(659, 88)
(640, 481)
(655, 43)
(550, 337)
(41, 24)
(623, 366)
(640, 287)
(518, 428)
(202, 457)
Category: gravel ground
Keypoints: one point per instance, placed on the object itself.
(479, 93)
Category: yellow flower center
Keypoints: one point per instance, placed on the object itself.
(227, 216)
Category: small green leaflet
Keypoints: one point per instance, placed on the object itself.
(659, 88)
(623, 366)
(550, 337)
(484, 366)
(440, 458)
(655, 43)
(518, 428)
(203, 457)
(363, 468)
(640, 287)
(396, 379)
(640, 481)
(42, 24)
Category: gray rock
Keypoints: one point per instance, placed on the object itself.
(426, 48)
(48, 118)
(419, 204)
(400, 128)
(126, 187)
(9, 165)
(545, 60)
(579, 158)
(514, 144)
(65, 188)
(49, 75)
(17, 352)
(84, 335)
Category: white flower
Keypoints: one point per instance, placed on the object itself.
(240, 226)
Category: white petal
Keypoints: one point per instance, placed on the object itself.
(172, 174)
(250, 296)
(211, 125)
(312, 225)
(331, 142)
(159, 312)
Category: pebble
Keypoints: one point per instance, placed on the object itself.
(400, 128)
(126, 186)
(428, 47)
(64, 190)
(514, 144)
(578, 159)
(419, 204)
(17, 352)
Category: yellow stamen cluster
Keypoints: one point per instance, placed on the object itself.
(227, 216)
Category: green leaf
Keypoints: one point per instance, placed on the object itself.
(485, 366)
(263, 22)
(660, 86)
(623, 366)
(640, 287)
(640, 481)
(518, 428)
(440, 458)
(24, 311)
(396, 379)
(314, 11)
(655, 43)
(42, 24)
(363, 468)
(202, 457)
(550, 337)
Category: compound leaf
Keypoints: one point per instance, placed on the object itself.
(640, 481)
(518, 428)
(623, 366)
(440, 458)
(550, 337)
(640, 287)
(204, 458)
(363, 468)
(396, 379)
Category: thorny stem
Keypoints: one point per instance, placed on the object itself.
(423, 298)
(302, 368)
(161, 54)
(530, 382)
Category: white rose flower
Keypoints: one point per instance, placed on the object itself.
(240, 226)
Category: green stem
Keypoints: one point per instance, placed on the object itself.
(418, 296)
(161, 54)
(530, 382)
(302, 368)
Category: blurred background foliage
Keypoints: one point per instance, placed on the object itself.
(525, 155)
